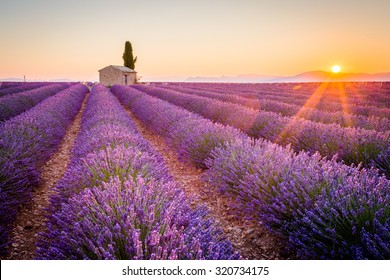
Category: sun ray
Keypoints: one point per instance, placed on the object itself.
(335, 88)
(311, 102)
(344, 103)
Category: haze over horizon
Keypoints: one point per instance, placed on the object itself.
(73, 39)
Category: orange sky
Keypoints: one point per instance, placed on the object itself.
(45, 39)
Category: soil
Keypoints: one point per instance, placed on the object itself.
(31, 218)
(250, 238)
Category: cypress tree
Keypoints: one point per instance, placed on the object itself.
(129, 60)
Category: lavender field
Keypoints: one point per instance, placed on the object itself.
(195, 171)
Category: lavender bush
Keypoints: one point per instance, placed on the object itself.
(382, 162)
(368, 99)
(133, 220)
(324, 208)
(108, 145)
(193, 136)
(13, 105)
(352, 145)
(26, 142)
(351, 220)
(11, 88)
(106, 126)
(5, 85)
(122, 201)
(287, 109)
(96, 168)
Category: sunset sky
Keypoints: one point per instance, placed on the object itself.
(45, 39)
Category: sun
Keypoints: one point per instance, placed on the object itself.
(336, 68)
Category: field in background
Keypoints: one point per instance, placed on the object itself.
(282, 170)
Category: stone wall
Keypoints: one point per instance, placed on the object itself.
(110, 76)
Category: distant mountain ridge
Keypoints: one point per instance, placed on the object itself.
(234, 79)
(310, 76)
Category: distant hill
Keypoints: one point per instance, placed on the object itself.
(234, 79)
(311, 76)
(321, 76)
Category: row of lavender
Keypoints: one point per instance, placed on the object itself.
(7, 88)
(14, 104)
(4, 85)
(117, 200)
(26, 142)
(350, 144)
(358, 91)
(314, 100)
(290, 110)
(329, 94)
(324, 208)
(11, 88)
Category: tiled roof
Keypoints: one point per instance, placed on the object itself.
(121, 68)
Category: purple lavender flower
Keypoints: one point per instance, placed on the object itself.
(14, 104)
(352, 145)
(110, 222)
(324, 208)
(26, 142)
(120, 199)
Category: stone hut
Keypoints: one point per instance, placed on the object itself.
(113, 74)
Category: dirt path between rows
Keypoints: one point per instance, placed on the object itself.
(31, 220)
(252, 240)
